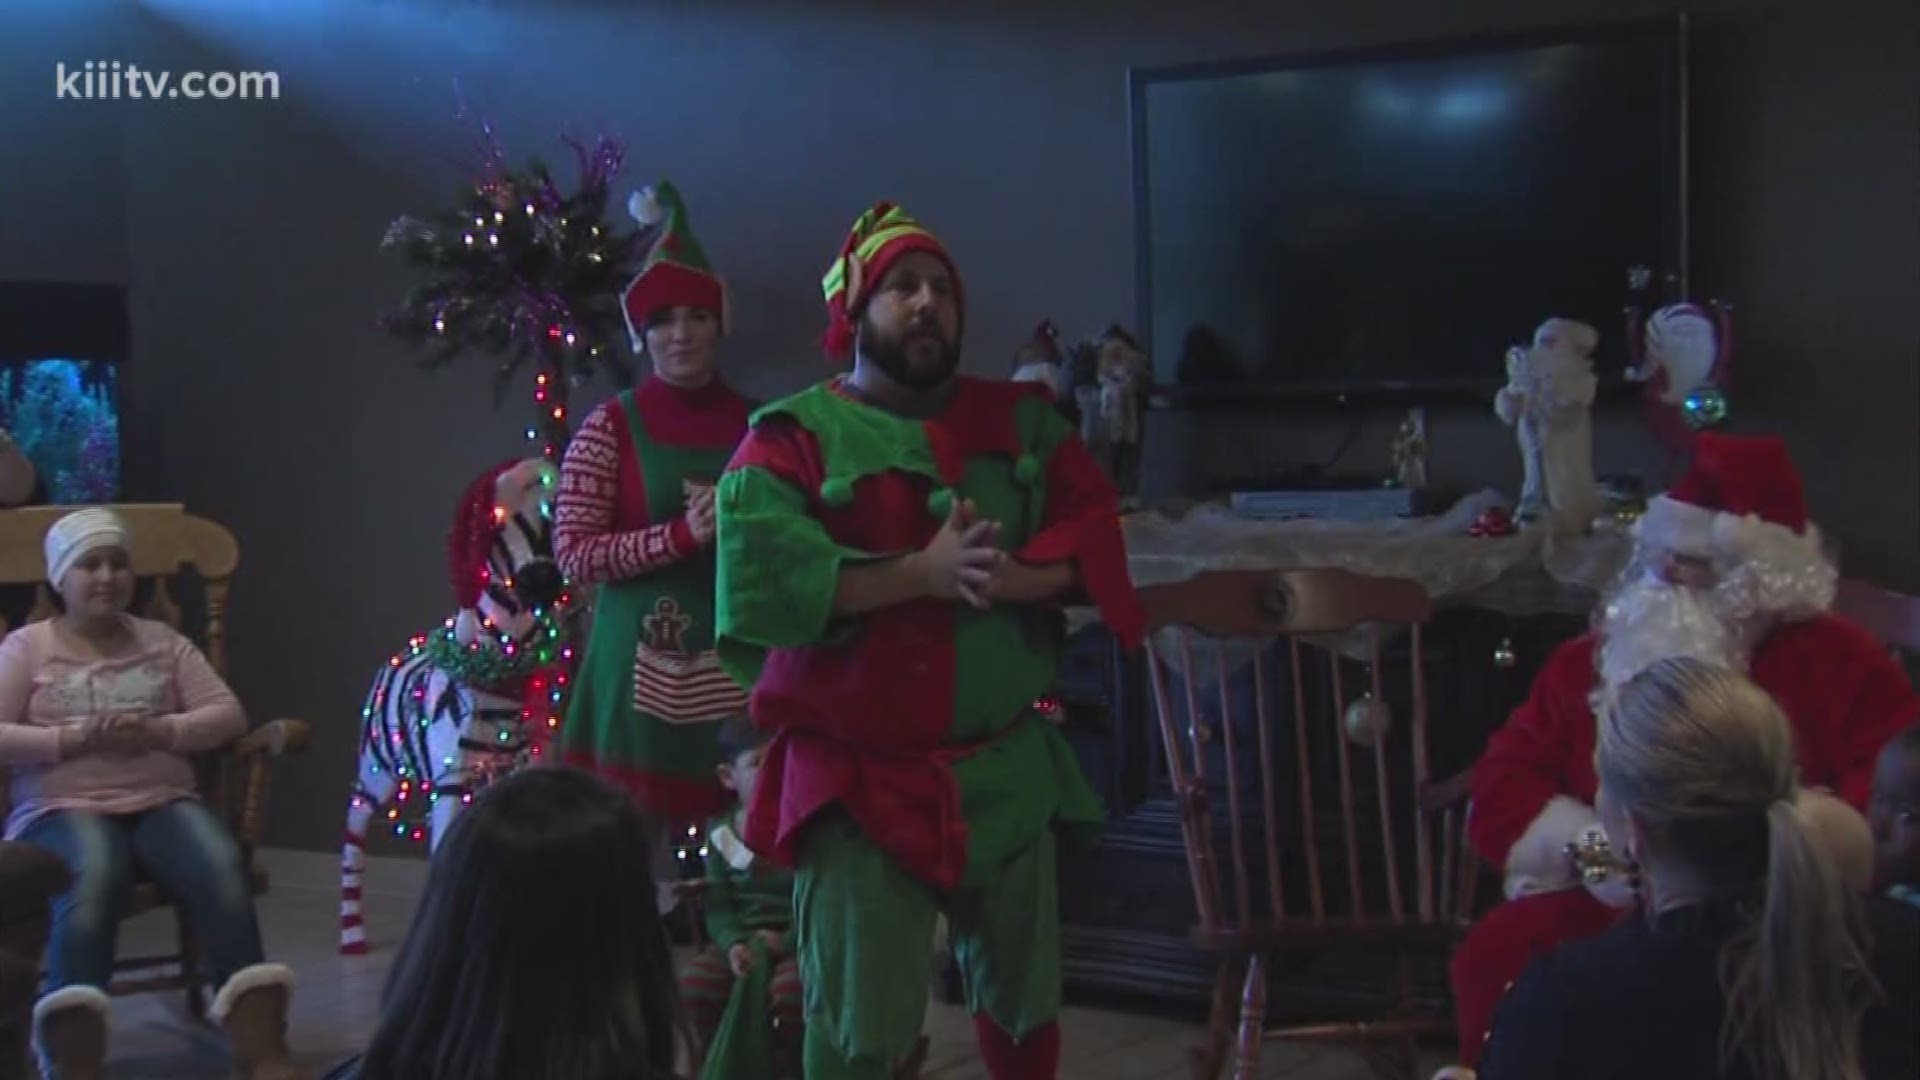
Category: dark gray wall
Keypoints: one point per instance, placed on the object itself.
(263, 396)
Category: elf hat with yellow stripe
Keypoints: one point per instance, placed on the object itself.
(674, 271)
(877, 240)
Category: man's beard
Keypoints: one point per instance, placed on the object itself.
(1648, 619)
(910, 358)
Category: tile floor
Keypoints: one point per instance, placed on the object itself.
(338, 998)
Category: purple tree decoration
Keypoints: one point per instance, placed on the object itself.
(517, 269)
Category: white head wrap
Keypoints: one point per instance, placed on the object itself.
(80, 532)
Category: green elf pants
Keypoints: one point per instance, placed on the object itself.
(866, 946)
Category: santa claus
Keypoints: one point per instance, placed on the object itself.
(1726, 568)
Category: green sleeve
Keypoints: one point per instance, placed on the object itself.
(777, 571)
(723, 908)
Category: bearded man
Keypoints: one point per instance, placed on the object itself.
(892, 547)
(1726, 568)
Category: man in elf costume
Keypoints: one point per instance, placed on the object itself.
(1726, 568)
(893, 544)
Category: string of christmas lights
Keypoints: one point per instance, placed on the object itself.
(533, 667)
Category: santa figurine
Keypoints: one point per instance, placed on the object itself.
(1042, 360)
(1550, 388)
(1726, 568)
(1122, 378)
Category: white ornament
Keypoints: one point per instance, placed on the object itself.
(1367, 721)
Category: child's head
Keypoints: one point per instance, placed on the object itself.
(1895, 811)
(741, 747)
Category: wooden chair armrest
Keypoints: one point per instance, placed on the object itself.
(275, 738)
(256, 752)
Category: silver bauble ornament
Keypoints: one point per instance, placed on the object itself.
(1367, 720)
(1503, 655)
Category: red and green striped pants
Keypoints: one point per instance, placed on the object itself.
(706, 985)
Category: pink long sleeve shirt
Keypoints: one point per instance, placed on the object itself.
(48, 685)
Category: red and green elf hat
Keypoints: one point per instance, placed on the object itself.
(674, 271)
(877, 240)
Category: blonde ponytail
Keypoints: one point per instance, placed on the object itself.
(1790, 974)
(1705, 759)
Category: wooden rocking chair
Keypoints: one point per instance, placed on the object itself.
(174, 554)
(1304, 835)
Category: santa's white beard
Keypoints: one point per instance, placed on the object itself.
(1649, 619)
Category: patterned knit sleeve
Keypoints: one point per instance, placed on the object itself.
(21, 743)
(209, 714)
(584, 541)
(777, 567)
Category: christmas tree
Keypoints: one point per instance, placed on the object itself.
(517, 270)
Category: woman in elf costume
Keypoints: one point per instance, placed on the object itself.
(635, 517)
(893, 547)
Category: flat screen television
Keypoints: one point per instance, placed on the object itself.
(1393, 220)
(61, 351)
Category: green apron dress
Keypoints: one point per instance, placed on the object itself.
(649, 695)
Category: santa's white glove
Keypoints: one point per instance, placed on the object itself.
(1538, 861)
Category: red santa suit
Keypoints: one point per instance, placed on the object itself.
(1739, 509)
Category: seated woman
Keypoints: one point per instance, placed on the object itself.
(537, 949)
(97, 710)
(1748, 958)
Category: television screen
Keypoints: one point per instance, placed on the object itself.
(1397, 220)
(61, 347)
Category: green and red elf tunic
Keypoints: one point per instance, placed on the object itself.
(918, 719)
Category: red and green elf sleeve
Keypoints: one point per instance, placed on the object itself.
(1082, 523)
(777, 567)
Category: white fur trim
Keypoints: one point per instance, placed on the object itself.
(1538, 862)
(731, 847)
(1671, 525)
(1686, 529)
(248, 979)
(1456, 1072)
(67, 997)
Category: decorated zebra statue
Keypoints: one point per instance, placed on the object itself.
(476, 697)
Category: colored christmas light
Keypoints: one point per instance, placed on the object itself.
(495, 660)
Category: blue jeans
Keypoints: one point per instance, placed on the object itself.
(182, 846)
